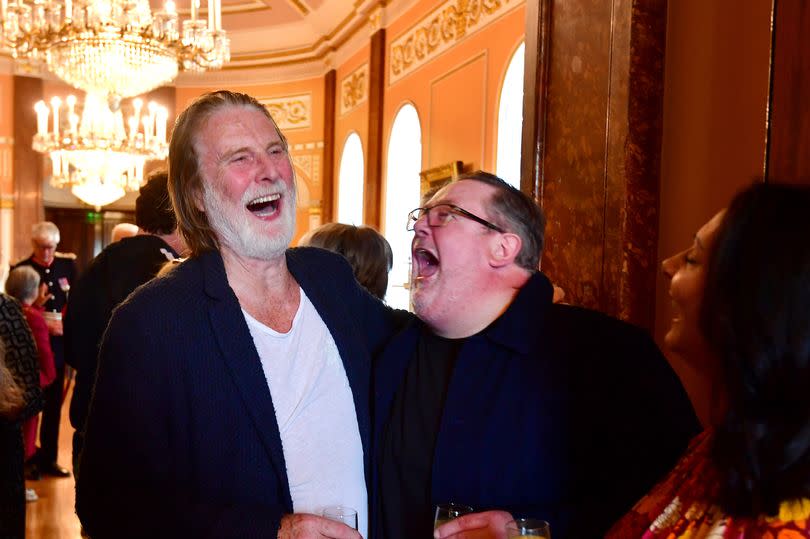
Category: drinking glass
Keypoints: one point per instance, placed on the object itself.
(527, 528)
(343, 514)
(445, 512)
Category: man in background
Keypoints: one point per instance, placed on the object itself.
(58, 271)
(500, 399)
(123, 230)
(118, 270)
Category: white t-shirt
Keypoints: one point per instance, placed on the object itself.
(315, 413)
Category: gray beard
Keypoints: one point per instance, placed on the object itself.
(238, 233)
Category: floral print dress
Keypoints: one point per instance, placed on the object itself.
(682, 507)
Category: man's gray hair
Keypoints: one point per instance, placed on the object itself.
(515, 212)
(45, 230)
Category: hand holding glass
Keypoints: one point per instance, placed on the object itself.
(339, 513)
(526, 528)
(445, 512)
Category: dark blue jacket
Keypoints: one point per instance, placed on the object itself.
(553, 411)
(182, 439)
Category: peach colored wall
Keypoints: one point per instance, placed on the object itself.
(716, 91)
(6, 106)
(355, 120)
(456, 92)
(309, 158)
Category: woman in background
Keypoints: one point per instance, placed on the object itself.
(741, 296)
(20, 399)
(368, 252)
(24, 285)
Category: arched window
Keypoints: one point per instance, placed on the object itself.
(510, 120)
(350, 182)
(402, 195)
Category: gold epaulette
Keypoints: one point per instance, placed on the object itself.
(71, 256)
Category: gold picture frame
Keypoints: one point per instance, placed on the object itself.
(433, 179)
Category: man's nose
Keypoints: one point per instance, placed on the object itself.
(421, 225)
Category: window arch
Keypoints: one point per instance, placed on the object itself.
(510, 120)
(402, 195)
(350, 182)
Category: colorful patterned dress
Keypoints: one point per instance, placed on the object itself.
(682, 507)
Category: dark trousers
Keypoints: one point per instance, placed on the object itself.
(51, 417)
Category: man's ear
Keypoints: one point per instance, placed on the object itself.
(197, 197)
(505, 249)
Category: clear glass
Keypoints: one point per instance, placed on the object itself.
(527, 527)
(445, 512)
(343, 514)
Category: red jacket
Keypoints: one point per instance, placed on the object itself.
(47, 371)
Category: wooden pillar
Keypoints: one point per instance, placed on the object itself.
(535, 83)
(328, 183)
(788, 152)
(27, 165)
(372, 192)
(592, 146)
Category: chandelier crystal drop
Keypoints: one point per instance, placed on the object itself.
(115, 47)
(97, 154)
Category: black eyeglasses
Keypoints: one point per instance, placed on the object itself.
(441, 214)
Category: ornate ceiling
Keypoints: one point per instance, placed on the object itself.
(275, 40)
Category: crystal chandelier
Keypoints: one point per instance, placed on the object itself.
(96, 155)
(115, 47)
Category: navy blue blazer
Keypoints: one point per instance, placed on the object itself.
(552, 412)
(181, 438)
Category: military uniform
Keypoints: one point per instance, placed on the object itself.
(59, 275)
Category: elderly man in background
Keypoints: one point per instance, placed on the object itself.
(123, 230)
(501, 399)
(232, 394)
(118, 270)
(58, 271)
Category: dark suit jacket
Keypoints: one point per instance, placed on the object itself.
(182, 439)
(111, 276)
(553, 411)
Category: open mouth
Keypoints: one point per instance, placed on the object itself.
(426, 263)
(264, 206)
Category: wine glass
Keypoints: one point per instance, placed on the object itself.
(341, 513)
(445, 512)
(526, 528)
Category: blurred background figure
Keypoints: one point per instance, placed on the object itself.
(24, 285)
(20, 399)
(123, 230)
(58, 272)
(741, 295)
(118, 270)
(367, 251)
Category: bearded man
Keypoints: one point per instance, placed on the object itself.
(232, 395)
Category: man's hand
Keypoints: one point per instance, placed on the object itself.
(304, 526)
(486, 525)
(43, 295)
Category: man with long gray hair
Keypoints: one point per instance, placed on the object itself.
(232, 395)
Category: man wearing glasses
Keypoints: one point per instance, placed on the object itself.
(501, 400)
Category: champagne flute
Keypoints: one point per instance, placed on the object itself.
(445, 512)
(341, 513)
(526, 528)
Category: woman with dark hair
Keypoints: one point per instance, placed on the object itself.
(742, 299)
(20, 399)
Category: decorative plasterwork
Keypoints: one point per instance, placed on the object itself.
(438, 31)
(354, 89)
(290, 112)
